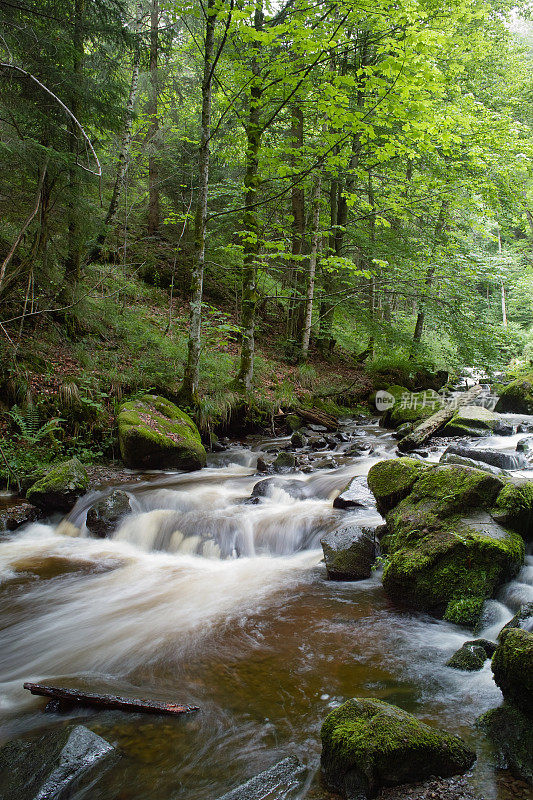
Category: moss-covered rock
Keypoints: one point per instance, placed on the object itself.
(391, 481)
(414, 408)
(470, 657)
(512, 665)
(511, 735)
(367, 744)
(294, 422)
(514, 507)
(155, 434)
(517, 397)
(60, 487)
(444, 553)
(471, 421)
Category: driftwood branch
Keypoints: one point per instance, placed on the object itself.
(74, 697)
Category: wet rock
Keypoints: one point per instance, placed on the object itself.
(512, 666)
(525, 446)
(298, 439)
(517, 397)
(445, 554)
(511, 735)
(18, 513)
(318, 443)
(262, 465)
(284, 462)
(316, 428)
(355, 494)
(294, 421)
(514, 507)
(524, 427)
(452, 458)
(496, 458)
(403, 430)
(52, 766)
(273, 783)
(326, 463)
(471, 421)
(341, 436)
(103, 518)
(155, 434)
(349, 553)
(367, 744)
(60, 487)
(331, 441)
(470, 657)
(522, 619)
(503, 428)
(294, 488)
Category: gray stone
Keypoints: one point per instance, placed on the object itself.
(51, 766)
(274, 783)
(104, 516)
(349, 553)
(525, 446)
(355, 494)
(294, 488)
(496, 458)
(522, 619)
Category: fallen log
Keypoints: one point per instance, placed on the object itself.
(432, 424)
(75, 697)
(318, 418)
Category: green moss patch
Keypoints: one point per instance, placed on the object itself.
(391, 481)
(514, 507)
(60, 486)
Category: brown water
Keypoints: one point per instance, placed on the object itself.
(262, 642)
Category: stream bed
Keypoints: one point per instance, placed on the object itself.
(205, 597)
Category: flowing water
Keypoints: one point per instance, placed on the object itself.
(204, 597)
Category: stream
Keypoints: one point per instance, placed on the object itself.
(206, 598)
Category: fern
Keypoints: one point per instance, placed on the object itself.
(28, 421)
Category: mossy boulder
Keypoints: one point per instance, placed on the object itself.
(367, 744)
(414, 408)
(155, 434)
(470, 657)
(391, 481)
(395, 390)
(444, 552)
(517, 397)
(512, 665)
(471, 421)
(60, 487)
(294, 422)
(511, 734)
(514, 507)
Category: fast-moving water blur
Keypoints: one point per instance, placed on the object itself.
(205, 595)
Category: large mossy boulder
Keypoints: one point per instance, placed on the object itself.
(391, 481)
(367, 744)
(414, 408)
(60, 487)
(514, 507)
(511, 734)
(471, 421)
(54, 765)
(512, 666)
(155, 434)
(444, 552)
(517, 397)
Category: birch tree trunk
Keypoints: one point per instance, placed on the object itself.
(153, 169)
(315, 238)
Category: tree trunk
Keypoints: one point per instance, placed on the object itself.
(439, 229)
(153, 168)
(124, 155)
(73, 259)
(298, 226)
(251, 220)
(315, 237)
(189, 389)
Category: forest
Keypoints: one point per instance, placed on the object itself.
(266, 399)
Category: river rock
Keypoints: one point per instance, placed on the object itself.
(522, 619)
(367, 744)
(512, 666)
(276, 782)
(511, 735)
(514, 507)
(155, 434)
(18, 513)
(284, 462)
(444, 552)
(414, 408)
(60, 487)
(349, 553)
(470, 657)
(452, 458)
(298, 439)
(391, 481)
(471, 421)
(265, 487)
(517, 397)
(502, 428)
(496, 458)
(103, 518)
(355, 494)
(51, 766)
(525, 446)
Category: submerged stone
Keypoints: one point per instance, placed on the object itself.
(273, 783)
(53, 765)
(155, 434)
(349, 553)
(367, 744)
(60, 487)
